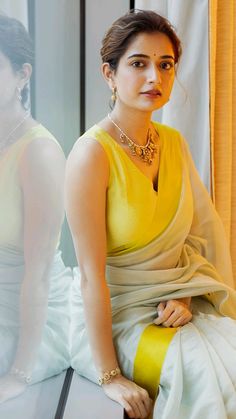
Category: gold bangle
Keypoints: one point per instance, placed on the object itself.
(21, 375)
(107, 376)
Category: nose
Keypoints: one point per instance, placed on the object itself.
(153, 75)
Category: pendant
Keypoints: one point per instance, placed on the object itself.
(145, 153)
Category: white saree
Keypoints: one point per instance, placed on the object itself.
(190, 258)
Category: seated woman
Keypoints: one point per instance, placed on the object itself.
(153, 306)
(34, 283)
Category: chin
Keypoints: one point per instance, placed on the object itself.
(150, 108)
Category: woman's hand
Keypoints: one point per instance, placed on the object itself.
(134, 399)
(10, 387)
(173, 313)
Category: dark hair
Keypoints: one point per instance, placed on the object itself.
(123, 30)
(17, 46)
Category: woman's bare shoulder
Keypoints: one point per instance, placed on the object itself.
(87, 158)
(87, 150)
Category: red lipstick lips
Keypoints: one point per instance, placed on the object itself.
(153, 92)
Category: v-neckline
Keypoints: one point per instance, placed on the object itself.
(156, 192)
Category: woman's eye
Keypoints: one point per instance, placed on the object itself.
(167, 65)
(137, 64)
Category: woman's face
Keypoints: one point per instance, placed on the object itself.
(146, 72)
(9, 81)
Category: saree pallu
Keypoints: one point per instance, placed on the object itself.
(190, 258)
(53, 352)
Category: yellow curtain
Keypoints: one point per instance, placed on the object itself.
(222, 38)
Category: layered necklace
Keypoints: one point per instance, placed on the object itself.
(7, 141)
(144, 152)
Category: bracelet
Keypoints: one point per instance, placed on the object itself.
(107, 376)
(21, 375)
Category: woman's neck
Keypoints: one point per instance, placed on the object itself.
(9, 118)
(134, 123)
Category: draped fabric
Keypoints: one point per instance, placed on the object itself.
(207, 30)
(52, 355)
(223, 110)
(189, 258)
(188, 108)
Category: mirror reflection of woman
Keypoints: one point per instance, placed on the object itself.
(34, 283)
(153, 297)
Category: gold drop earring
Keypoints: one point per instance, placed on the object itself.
(114, 95)
(112, 101)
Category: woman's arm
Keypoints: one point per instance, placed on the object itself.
(87, 177)
(86, 182)
(42, 175)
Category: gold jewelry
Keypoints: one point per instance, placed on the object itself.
(114, 95)
(144, 152)
(107, 376)
(21, 375)
(5, 142)
(19, 95)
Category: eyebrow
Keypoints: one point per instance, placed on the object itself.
(147, 56)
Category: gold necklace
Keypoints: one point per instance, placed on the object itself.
(144, 152)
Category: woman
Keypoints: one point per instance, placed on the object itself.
(34, 283)
(148, 239)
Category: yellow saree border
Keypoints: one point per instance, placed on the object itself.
(150, 356)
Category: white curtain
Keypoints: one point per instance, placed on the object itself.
(188, 109)
(15, 8)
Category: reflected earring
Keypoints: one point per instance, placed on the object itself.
(19, 96)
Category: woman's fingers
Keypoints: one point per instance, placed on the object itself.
(140, 403)
(144, 404)
(175, 314)
(161, 307)
(140, 410)
(134, 407)
(147, 401)
(127, 406)
(182, 321)
(179, 313)
(134, 399)
(178, 318)
(164, 315)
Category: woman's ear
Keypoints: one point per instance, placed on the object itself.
(108, 74)
(24, 75)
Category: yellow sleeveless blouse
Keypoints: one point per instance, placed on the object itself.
(135, 213)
